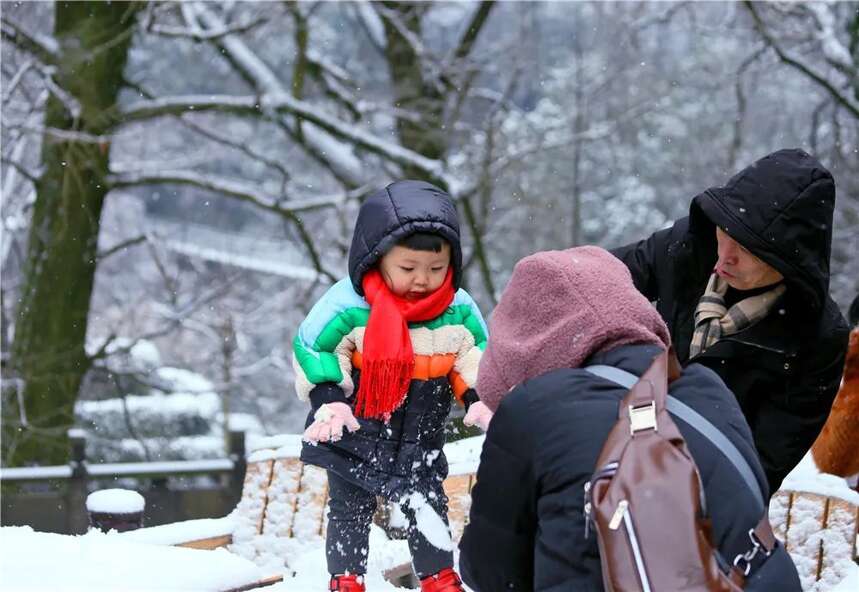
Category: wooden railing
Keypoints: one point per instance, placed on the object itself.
(54, 498)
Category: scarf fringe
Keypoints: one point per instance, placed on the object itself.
(384, 385)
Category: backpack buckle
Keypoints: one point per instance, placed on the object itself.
(642, 418)
(746, 558)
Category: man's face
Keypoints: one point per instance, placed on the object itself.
(742, 270)
(414, 274)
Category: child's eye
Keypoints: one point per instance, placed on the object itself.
(407, 268)
(437, 268)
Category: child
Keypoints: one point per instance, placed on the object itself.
(380, 355)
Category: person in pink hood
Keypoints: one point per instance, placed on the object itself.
(560, 312)
(560, 308)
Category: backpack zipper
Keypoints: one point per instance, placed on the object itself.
(606, 472)
(636, 551)
(618, 515)
(622, 514)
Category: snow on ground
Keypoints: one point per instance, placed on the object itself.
(311, 575)
(96, 562)
(850, 583)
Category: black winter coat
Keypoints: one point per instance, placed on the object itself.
(405, 454)
(784, 370)
(526, 527)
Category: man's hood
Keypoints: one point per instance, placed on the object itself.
(779, 208)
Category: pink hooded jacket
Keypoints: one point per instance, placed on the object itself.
(559, 309)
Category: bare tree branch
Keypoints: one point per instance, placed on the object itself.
(842, 98)
(121, 246)
(243, 147)
(739, 120)
(472, 30)
(227, 187)
(31, 176)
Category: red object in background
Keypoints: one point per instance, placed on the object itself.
(836, 450)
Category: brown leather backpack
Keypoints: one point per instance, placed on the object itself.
(647, 503)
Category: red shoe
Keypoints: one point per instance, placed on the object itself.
(347, 583)
(444, 581)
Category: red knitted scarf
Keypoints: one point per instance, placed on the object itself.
(388, 359)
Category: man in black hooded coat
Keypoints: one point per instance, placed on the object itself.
(785, 368)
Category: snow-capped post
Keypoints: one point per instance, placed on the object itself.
(76, 518)
(240, 464)
(115, 509)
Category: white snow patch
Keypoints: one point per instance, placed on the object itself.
(429, 523)
(807, 477)
(282, 446)
(98, 562)
(115, 501)
(463, 456)
(851, 582)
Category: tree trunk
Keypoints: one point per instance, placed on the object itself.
(411, 92)
(48, 355)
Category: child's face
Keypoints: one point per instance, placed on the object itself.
(413, 274)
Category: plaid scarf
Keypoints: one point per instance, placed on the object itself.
(713, 320)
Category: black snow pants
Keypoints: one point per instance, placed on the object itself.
(350, 514)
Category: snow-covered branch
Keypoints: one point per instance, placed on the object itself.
(371, 24)
(71, 103)
(61, 135)
(844, 98)
(46, 49)
(393, 17)
(835, 52)
(16, 79)
(334, 155)
(284, 103)
(197, 34)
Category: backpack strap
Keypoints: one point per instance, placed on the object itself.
(697, 422)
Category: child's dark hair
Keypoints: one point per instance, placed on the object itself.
(423, 241)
